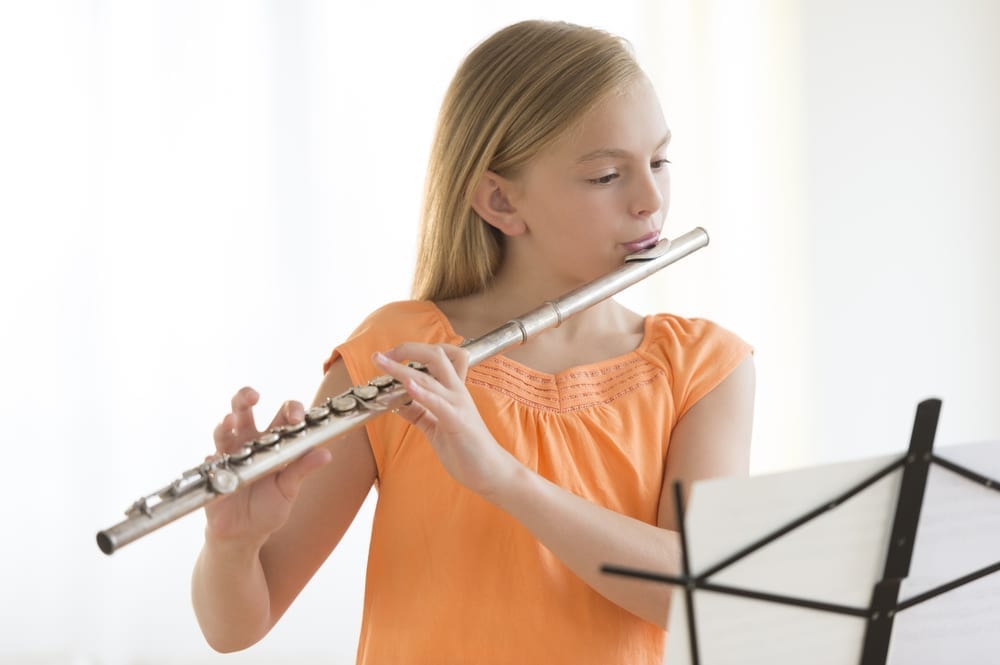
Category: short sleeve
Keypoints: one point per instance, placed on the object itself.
(383, 329)
(699, 354)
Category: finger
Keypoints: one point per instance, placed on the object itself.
(419, 417)
(290, 413)
(243, 422)
(428, 406)
(225, 436)
(459, 359)
(289, 479)
(391, 362)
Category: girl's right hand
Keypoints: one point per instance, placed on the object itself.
(253, 513)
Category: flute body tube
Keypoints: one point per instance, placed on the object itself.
(224, 474)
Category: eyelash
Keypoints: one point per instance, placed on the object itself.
(606, 179)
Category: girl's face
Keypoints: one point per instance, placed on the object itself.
(602, 190)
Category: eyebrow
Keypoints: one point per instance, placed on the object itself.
(604, 153)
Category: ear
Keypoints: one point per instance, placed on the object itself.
(492, 201)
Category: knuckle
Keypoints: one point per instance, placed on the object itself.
(292, 410)
(224, 428)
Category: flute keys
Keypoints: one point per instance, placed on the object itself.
(381, 382)
(317, 414)
(343, 404)
(365, 392)
(223, 481)
(291, 430)
(266, 440)
(244, 455)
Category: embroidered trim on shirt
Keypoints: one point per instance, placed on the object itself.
(566, 392)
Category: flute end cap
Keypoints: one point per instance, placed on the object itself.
(105, 543)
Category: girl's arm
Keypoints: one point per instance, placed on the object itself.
(262, 545)
(712, 439)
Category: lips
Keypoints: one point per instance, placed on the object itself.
(642, 243)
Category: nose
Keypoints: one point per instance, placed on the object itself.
(651, 193)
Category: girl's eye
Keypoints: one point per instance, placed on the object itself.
(604, 179)
(659, 163)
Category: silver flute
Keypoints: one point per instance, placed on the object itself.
(226, 473)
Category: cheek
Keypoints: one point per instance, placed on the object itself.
(569, 209)
(664, 181)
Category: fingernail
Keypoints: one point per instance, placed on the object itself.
(379, 357)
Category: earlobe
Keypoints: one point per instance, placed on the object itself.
(491, 201)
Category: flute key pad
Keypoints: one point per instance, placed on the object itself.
(317, 414)
(382, 382)
(223, 481)
(365, 392)
(343, 404)
(267, 440)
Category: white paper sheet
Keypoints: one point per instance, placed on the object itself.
(959, 533)
(837, 558)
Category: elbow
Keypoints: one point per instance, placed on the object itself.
(223, 637)
(228, 643)
(220, 646)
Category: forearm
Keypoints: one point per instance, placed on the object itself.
(230, 595)
(585, 536)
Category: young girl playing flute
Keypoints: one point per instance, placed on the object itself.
(504, 487)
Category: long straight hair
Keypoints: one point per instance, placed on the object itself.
(512, 96)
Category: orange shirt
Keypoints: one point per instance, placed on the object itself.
(453, 579)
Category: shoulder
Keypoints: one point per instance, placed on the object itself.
(393, 324)
(403, 316)
(677, 334)
(697, 354)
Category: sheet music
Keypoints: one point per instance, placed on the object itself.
(959, 533)
(837, 558)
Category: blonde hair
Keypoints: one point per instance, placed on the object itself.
(512, 96)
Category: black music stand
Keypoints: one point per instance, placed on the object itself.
(879, 615)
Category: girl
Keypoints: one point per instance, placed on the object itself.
(503, 488)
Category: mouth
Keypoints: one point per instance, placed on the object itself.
(641, 243)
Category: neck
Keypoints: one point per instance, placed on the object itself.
(603, 331)
(515, 292)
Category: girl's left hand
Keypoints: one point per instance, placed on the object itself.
(443, 410)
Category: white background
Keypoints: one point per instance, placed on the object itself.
(196, 196)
